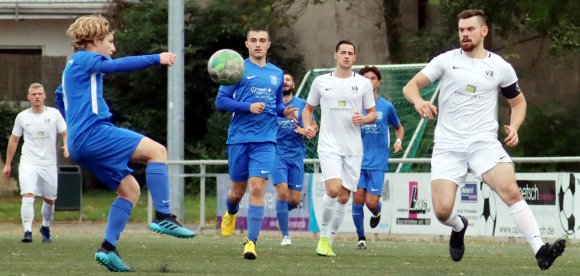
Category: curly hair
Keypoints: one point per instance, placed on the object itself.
(86, 29)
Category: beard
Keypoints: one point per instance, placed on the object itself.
(287, 92)
(467, 46)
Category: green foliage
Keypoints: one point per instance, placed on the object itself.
(139, 100)
(8, 112)
(548, 131)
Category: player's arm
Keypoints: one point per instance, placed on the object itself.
(358, 119)
(411, 92)
(132, 63)
(59, 100)
(518, 106)
(224, 101)
(282, 110)
(399, 133)
(310, 128)
(10, 151)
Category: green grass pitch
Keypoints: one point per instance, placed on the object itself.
(74, 246)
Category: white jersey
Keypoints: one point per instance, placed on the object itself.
(40, 132)
(339, 99)
(468, 90)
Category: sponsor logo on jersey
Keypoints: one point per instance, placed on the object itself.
(470, 88)
(341, 103)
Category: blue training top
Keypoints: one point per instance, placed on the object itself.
(258, 84)
(80, 96)
(375, 136)
(290, 145)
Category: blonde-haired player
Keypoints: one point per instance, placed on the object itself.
(39, 125)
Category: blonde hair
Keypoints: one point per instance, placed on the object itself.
(86, 29)
(35, 86)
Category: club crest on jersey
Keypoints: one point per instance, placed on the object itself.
(489, 74)
(354, 89)
(47, 121)
(470, 88)
(273, 80)
(379, 115)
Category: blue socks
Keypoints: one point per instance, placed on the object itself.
(232, 207)
(118, 217)
(282, 214)
(255, 217)
(358, 217)
(158, 183)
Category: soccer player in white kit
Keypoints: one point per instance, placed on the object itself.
(37, 176)
(342, 95)
(466, 133)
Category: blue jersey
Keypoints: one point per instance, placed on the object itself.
(259, 84)
(290, 145)
(375, 136)
(81, 90)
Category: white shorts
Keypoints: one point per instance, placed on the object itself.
(345, 167)
(454, 162)
(38, 180)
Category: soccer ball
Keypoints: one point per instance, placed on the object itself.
(488, 216)
(225, 67)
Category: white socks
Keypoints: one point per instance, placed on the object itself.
(526, 222)
(454, 221)
(328, 206)
(27, 213)
(336, 220)
(47, 213)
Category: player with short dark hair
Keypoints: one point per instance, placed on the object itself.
(376, 141)
(256, 101)
(466, 133)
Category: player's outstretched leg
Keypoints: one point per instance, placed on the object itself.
(456, 243)
(108, 256)
(549, 252)
(168, 225)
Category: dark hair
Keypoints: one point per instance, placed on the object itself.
(373, 69)
(258, 29)
(471, 13)
(348, 42)
(290, 74)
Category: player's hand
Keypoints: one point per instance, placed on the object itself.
(6, 170)
(512, 139)
(426, 109)
(299, 130)
(167, 58)
(357, 119)
(65, 151)
(397, 147)
(257, 108)
(290, 113)
(310, 132)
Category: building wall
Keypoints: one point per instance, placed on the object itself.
(48, 35)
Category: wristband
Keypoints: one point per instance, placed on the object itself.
(399, 141)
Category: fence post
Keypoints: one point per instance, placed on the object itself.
(202, 197)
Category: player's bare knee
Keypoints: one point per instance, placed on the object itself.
(372, 204)
(256, 191)
(48, 201)
(443, 213)
(283, 196)
(28, 195)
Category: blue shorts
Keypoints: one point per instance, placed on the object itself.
(289, 171)
(372, 181)
(250, 160)
(107, 152)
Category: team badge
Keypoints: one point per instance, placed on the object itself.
(354, 89)
(273, 80)
(489, 74)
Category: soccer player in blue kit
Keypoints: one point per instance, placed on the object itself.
(288, 169)
(96, 144)
(375, 138)
(256, 101)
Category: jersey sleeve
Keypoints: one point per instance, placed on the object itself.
(435, 68)
(508, 75)
(60, 123)
(368, 96)
(314, 96)
(393, 118)
(18, 130)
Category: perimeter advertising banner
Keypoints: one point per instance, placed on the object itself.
(407, 206)
(298, 218)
